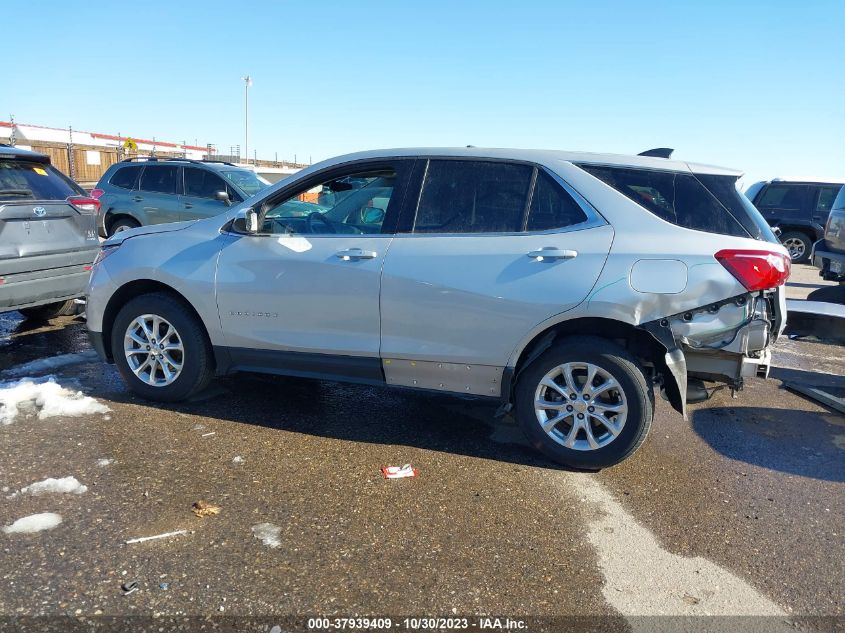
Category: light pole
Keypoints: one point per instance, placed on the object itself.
(247, 84)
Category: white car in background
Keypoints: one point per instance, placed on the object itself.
(569, 286)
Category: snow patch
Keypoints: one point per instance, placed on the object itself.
(34, 523)
(46, 396)
(65, 485)
(268, 534)
(50, 363)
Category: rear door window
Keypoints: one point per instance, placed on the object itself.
(783, 198)
(552, 207)
(25, 180)
(159, 179)
(125, 177)
(461, 196)
(677, 197)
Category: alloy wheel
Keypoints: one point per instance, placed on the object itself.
(580, 406)
(795, 247)
(154, 350)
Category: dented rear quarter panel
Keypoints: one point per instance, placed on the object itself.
(638, 236)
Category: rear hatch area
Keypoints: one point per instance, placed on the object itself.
(48, 235)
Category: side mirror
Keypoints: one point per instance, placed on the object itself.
(223, 197)
(246, 221)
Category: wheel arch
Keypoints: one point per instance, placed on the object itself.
(129, 291)
(639, 342)
(113, 215)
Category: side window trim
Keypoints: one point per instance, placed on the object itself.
(523, 226)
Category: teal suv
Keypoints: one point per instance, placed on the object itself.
(138, 192)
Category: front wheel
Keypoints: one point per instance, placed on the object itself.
(585, 403)
(160, 348)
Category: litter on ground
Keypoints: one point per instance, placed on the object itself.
(104, 461)
(142, 539)
(268, 534)
(237, 459)
(398, 472)
(203, 508)
(34, 523)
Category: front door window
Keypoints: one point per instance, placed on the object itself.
(353, 204)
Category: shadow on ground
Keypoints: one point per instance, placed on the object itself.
(805, 443)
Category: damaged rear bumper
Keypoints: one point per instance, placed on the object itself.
(726, 342)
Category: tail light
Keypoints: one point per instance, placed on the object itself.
(85, 204)
(96, 193)
(756, 270)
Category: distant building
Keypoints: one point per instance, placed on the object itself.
(85, 156)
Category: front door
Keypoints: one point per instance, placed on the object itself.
(199, 198)
(304, 293)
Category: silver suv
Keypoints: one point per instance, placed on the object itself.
(568, 286)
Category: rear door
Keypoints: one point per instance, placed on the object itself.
(785, 204)
(198, 199)
(157, 194)
(39, 228)
(492, 250)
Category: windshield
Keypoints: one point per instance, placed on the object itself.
(248, 181)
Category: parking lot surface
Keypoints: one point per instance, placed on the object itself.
(738, 510)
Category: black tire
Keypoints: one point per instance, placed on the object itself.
(803, 245)
(632, 382)
(122, 224)
(197, 361)
(49, 310)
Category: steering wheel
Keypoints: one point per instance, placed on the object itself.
(313, 218)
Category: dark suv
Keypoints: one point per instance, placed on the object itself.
(48, 237)
(798, 208)
(137, 192)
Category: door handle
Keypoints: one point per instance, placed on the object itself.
(550, 253)
(355, 254)
(188, 205)
(138, 199)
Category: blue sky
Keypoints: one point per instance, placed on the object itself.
(753, 85)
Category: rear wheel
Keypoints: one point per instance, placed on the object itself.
(122, 224)
(49, 311)
(585, 403)
(160, 348)
(798, 244)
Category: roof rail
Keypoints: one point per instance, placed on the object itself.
(658, 152)
(174, 159)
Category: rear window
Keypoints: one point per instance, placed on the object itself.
(679, 198)
(125, 177)
(23, 180)
(724, 190)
